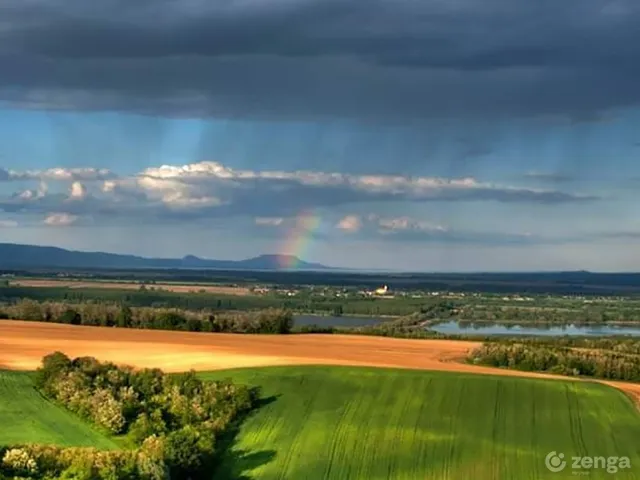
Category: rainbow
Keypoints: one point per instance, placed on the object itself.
(299, 239)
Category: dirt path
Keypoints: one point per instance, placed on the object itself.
(23, 344)
(169, 287)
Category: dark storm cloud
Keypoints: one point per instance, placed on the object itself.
(369, 59)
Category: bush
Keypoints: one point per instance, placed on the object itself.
(315, 329)
(19, 462)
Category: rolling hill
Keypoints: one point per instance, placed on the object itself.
(338, 423)
(33, 256)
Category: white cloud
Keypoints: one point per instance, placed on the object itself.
(209, 189)
(36, 194)
(269, 221)
(405, 228)
(213, 178)
(78, 190)
(194, 170)
(350, 223)
(42, 190)
(60, 219)
(161, 177)
(27, 195)
(60, 174)
(387, 225)
(404, 223)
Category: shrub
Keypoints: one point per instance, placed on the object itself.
(19, 462)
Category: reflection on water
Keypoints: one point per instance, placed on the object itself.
(455, 327)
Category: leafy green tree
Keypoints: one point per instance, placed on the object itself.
(53, 365)
(70, 317)
(169, 321)
(194, 325)
(124, 319)
(186, 451)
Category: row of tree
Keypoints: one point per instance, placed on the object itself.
(269, 320)
(174, 421)
(539, 313)
(316, 303)
(626, 345)
(560, 360)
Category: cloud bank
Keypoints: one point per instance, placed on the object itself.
(205, 190)
(408, 229)
(377, 60)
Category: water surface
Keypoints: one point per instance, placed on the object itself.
(454, 327)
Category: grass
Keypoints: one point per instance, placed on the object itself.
(27, 417)
(363, 423)
(359, 423)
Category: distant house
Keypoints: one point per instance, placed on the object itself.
(382, 291)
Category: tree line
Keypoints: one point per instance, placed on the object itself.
(270, 320)
(540, 314)
(175, 422)
(607, 364)
(625, 345)
(327, 305)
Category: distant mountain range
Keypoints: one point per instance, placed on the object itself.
(32, 256)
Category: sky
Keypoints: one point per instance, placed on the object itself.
(454, 135)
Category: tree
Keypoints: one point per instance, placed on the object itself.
(194, 325)
(186, 451)
(124, 319)
(107, 320)
(107, 411)
(169, 321)
(29, 310)
(71, 317)
(147, 425)
(52, 365)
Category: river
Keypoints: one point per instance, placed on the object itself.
(454, 327)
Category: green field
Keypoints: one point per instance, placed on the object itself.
(362, 423)
(27, 417)
(355, 423)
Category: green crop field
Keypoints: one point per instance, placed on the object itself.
(358, 423)
(27, 417)
(363, 423)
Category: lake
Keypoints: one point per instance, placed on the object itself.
(454, 327)
(332, 321)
